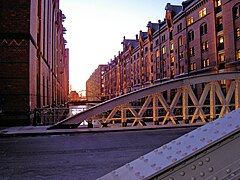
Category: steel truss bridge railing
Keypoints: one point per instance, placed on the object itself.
(150, 104)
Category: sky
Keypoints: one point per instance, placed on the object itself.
(95, 30)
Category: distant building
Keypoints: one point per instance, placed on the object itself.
(95, 85)
(200, 36)
(74, 96)
(33, 59)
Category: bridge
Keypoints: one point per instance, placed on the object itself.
(149, 104)
(209, 152)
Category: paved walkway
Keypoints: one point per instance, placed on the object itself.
(43, 130)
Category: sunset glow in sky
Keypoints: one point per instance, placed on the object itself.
(95, 30)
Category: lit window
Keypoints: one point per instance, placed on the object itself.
(219, 23)
(218, 3)
(220, 43)
(172, 60)
(157, 54)
(189, 21)
(205, 46)
(221, 57)
(221, 39)
(193, 66)
(202, 12)
(164, 50)
(191, 51)
(171, 47)
(180, 41)
(206, 62)
(238, 32)
(238, 54)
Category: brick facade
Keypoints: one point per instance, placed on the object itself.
(95, 84)
(200, 36)
(33, 59)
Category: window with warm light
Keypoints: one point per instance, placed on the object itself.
(219, 3)
(193, 66)
(219, 23)
(205, 46)
(206, 62)
(180, 41)
(157, 54)
(172, 60)
(221, 57)
(171, 47)
(189, 21)
(164, 50)
(238, 32)
(220, 43)
(191, 51)
(202, 12)
(221, 39)
(218, 6)
(238, 54)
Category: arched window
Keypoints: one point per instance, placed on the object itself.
(236, 11)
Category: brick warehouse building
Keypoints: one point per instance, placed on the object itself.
(33, 59)
(95, 84)
(200, 36)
